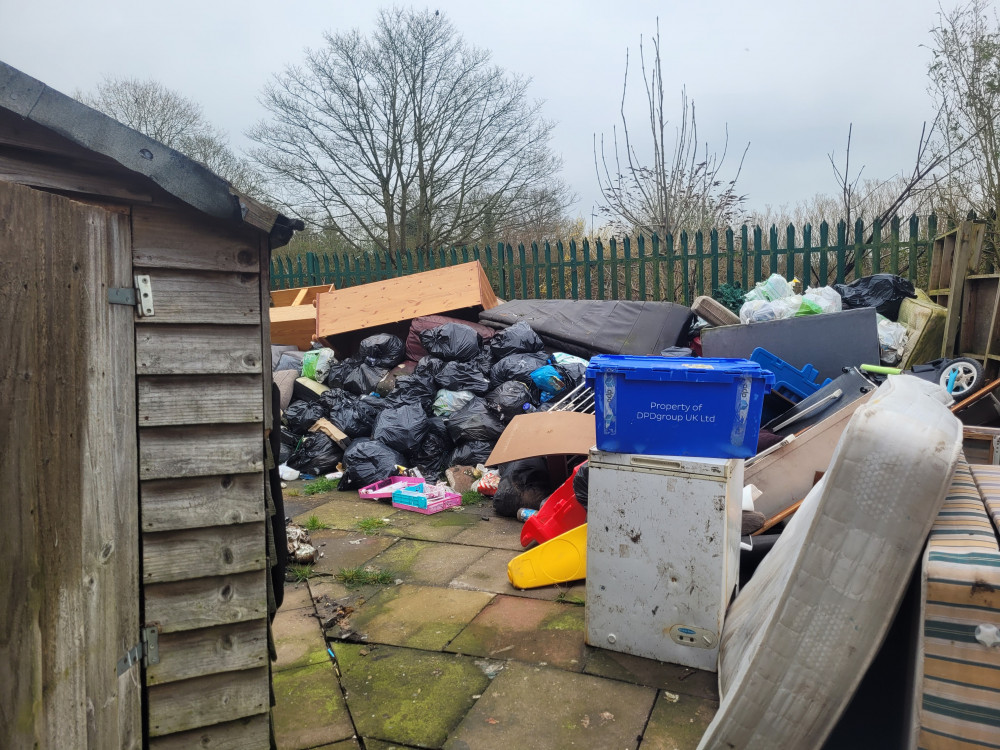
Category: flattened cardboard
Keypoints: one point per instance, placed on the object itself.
(393, 300)
(549, 433)
(329, 429)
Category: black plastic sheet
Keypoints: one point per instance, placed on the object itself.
(382, 350)
(883, 291)
(367, 461)
(452, 342)
(475, 421)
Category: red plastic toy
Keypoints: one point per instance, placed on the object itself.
(560, 513)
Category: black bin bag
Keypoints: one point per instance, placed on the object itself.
(475, 421)
(470, 453)
(510, 399)
(301, 415)
(368, 461)
(349, 414)
(462, 376)
(452, 341)
(518, 339)
(431, 456)
(382, 350)
(523, 484)
(883, 291)
(363, 379)
(516, 367)
(317, 454)
(403, 429)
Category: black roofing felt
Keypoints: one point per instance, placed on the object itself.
(182, 177)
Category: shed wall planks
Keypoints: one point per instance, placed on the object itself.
(196, 553)
(206, 602)
(202, 501)
(250, 733)
(165, 238)
(225, 648)
(197, 350)
(186, 400)
(213, 699)
(203, 297)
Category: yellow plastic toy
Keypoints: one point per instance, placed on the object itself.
(561, 559)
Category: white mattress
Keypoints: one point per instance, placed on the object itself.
(799, 637)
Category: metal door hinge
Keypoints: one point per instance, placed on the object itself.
(139, 296)
(146, 650)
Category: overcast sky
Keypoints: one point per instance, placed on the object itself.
(787, 76)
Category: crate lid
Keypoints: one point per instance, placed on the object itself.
(681, 369)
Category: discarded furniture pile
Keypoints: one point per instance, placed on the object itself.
(746, 491)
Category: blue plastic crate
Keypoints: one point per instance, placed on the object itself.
(682, 406)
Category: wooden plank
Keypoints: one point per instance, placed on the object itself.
(194, 653)
(68, 541)
(196, 553)
(186, 239)
(57, 173)
(293, 325)
(265, 334)
(302, 295)
(219, 298)
(180, 400)
(394, 300)
(202, 501)
(250, 733)
(206, 602)
(179, 706)
(193, 350)
(201, 450)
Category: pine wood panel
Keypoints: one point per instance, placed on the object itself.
(195, 553)
(179, 706)
(184, 400)
(68, 543)
(202, 501)
(294, 325)
(185, 296)
(200, 450)
(250, 733)
(197, 350)
(303, 295)
(206, 602)
(165, 238)
(226, 648)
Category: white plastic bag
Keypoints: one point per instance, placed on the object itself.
(891, 340)
(772, 288)
(287, 474)
(760, 311)
(826, 298)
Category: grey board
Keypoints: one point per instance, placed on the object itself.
(588, 327)
(828, 342)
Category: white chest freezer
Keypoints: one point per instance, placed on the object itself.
(663, 545)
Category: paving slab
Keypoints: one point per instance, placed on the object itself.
(296, 596)
(297, 503)
(298, 639)
(406, 696)
(437, 527)
(309, 708)
(345, 745)
(499, 533)
(371, 744)
(671, 677)
(489, 573)
(528, 630)
(677, 722)
(346, 549)
(425, 617)
(432, 563)
(542, 707)
(345, 512)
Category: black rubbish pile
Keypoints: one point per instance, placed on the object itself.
(448, 409)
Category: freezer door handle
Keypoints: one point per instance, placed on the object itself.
(654, 462)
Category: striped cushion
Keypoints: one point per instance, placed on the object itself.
(959, 704)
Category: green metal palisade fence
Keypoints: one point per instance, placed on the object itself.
(675, 269)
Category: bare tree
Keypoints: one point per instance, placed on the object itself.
(965, 83)
(176, 121)
(406, 137)
(679, 187)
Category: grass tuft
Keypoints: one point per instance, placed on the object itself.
(321, 485)
(566, 598)
(300, 573)
(471, 497)
(355, 578)
(314, 524)
(372, 525)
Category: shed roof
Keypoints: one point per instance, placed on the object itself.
(182, 177)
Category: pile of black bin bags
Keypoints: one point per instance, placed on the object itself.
(448, 409)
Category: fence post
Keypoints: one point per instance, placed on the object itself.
(914, 238)
(641, 255)
(877, 246)
(807, 260)
(657, 288)
(713, 248)
(548, 270)
(685, 270)
(627, 265)
(600, 268)
(841, 249)
(824, 254)
(790, 251)
(894, 246)
(586, 268)
(613, 266)
(699, 268)
(573, 270)
(671, 285)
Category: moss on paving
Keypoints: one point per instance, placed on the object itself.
(309, 707)
(407, 696)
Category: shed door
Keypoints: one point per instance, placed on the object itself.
(69, 531)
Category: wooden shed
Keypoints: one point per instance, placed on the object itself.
(136, 541)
